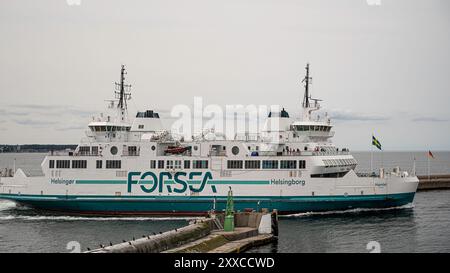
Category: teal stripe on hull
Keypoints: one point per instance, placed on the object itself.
(101, 182)
(199, 205)
(171, 182)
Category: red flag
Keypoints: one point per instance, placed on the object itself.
(430, 154)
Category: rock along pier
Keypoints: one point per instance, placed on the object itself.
(206, 235)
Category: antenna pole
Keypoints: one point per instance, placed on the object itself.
(122, 90)
(306, 80)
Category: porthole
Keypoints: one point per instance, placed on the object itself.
(114, 150)
(153, 147)
(235, 150)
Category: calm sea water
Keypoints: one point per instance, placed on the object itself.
(421, 227)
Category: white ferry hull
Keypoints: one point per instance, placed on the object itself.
(111, 197)
(138, 168)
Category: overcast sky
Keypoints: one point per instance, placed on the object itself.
(380, 69)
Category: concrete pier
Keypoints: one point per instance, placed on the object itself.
(206, 235)
(434, 182)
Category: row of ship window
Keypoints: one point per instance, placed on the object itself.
(318, 128)
(186, 164)
(266, 164)
(110, 128)
(82, 164)
(339, 162)
(176, 164)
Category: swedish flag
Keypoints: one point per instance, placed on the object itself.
(376, 143)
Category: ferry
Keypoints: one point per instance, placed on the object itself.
(134, 166)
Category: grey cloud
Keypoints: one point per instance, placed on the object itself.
(80, 113)
(430, 119)
(70, 128)
(46, 110)
(36, 106)
(35, 123)
(13, 113)
(345, 115)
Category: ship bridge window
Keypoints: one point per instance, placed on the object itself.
(300, 128)
(79, 164)
(113, 164)
(234, 164)
(51, 164)
(317, 128)
(270, 164)
(288, 164)
(109, 128)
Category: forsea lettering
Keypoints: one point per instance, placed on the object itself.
(150, 182)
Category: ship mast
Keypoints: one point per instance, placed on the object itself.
(309, 107)
(123, 90)
(306, 81)
(122, 94)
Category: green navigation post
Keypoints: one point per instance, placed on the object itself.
(229, 213)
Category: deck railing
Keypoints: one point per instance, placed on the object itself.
(301, 153)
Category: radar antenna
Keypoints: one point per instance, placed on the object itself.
(123, 90)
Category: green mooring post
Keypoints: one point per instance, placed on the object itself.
(229, 213)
